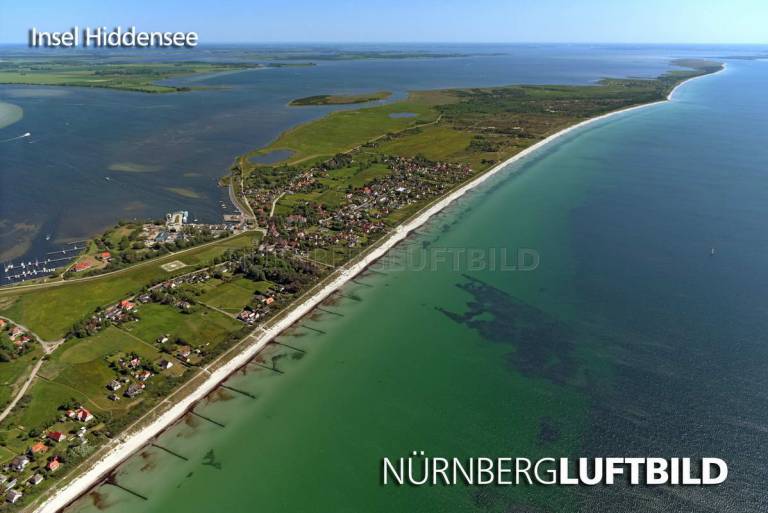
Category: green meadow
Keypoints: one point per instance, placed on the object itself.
(344, 130)
(51, 310)
(232, 295)
(200, 328)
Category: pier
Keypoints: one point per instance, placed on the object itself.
(40, 267)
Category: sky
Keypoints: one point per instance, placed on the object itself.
(267, 21)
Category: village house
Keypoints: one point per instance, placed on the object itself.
(21, 341)
(162, 339)
(165, 364)
(127, 305)
(15, 333)
(36, 479)
(57, 436)
(38, 447)
(19, 463)
(2, 323)
(134, 389)
(184, 353)
(104, 256)
(10, 484)
(54, 464)
(248, 315)
(80, 414)
(133, 362)
(143, 375)
(13, 496)
(81, 266)
(114, 385)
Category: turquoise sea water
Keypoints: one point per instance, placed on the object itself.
(628, 339)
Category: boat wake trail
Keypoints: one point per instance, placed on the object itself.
(22, 136)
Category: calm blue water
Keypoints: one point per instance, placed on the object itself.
(629, 339)
(72, 177)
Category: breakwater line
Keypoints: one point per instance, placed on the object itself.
(136, 440)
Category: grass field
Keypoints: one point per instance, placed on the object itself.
(51, 311)
(422, 142)
(202, 327)
(234, 295)
(79, 370)
(13, 373)
(341, 131)
(81, 366)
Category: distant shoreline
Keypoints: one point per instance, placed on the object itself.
(130, 443)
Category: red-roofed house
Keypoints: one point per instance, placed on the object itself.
(104, 255)
(38, 447)
(57, 436)
(53, 464)
(83, 415)
(127, 305)
(81, 266)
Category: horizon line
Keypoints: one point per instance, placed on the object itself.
(358, 42)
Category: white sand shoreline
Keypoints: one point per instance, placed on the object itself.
(133, 442)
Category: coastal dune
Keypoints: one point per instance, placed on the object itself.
(132, 442)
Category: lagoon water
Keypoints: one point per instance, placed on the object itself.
(96, 156)
(628, 339)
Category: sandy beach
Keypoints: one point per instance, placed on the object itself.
(131, 442)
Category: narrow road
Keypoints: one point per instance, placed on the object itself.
(47, 345)
(240, 203)
(22, 391)
(228, 314)
(274, 204)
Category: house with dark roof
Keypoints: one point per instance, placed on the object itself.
(13, 496)
(19, 463)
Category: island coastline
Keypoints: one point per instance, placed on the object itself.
(130, 443)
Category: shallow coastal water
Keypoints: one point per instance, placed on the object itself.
(9, 114)
(629, 338)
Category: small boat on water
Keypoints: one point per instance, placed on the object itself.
(48, 237)
(712, 252)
